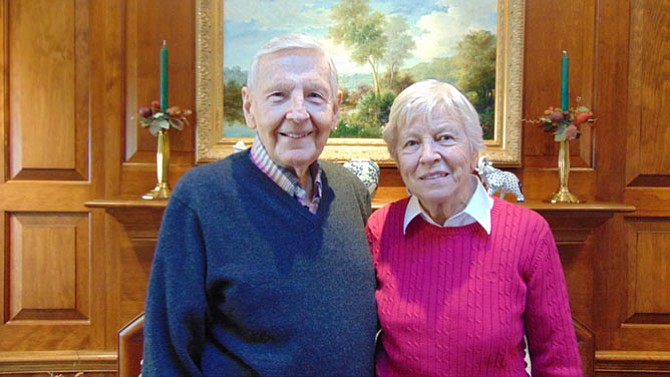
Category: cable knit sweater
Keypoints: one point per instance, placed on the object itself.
(458, 302)
(247, 282)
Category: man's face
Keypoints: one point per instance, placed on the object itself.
(293, 107)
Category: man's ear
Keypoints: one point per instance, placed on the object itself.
(338, 102)
(336, 109)
(246, 107)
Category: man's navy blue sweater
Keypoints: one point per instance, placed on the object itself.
(245, 281)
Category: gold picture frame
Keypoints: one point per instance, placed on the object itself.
(503, 150)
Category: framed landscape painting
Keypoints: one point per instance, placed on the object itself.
(476, 45)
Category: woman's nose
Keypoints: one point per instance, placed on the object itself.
(428, 153)
(298, 111)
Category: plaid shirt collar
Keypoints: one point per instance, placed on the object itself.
(285, 179)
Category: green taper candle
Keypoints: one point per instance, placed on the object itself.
(164, 76)
(565, 62)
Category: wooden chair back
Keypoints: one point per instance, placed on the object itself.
(131, 341)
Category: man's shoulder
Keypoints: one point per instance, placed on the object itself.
(331, 167)
(338, 175)
(212, 175)
(216, 168)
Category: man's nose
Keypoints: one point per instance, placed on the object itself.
(298, 111)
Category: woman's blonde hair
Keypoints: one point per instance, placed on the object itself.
(420, 99)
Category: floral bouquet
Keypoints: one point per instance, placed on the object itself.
(565, 124)
(157, 119)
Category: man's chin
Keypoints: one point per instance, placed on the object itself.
(298, 158)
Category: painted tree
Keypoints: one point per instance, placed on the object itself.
(476, 61)
(400, 45)
(232, 94)
(361, 30)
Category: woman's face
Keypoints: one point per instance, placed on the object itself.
(435, 160)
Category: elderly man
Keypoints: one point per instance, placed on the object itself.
(262, 265)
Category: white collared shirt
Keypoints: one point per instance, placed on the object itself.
(478, 210)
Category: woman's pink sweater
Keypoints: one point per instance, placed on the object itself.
(458, 302)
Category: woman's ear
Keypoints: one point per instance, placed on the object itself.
(474, 161)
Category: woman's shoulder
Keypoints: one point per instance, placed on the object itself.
(523, 217)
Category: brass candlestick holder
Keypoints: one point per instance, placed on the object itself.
(162, 189)
(563, 195)
(159, 121)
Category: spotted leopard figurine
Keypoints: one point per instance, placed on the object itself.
(500, 181)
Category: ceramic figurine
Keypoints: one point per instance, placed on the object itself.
(500, 181)
(239, 146)
(367, 170)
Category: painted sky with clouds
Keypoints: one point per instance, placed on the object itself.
(436, 26)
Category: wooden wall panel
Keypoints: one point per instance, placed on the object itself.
(40, 278)
(651, 266)
(648, 304)
(650, 88)
(145, 31)
(137, 253)
(48, 89)
(48, 259)
(571, 27)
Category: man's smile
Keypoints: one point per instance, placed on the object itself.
(294, 135)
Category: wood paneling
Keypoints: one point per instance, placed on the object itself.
(49, 269)
(650, 269)
(48, 96)
(48, 255)
(649, 84)
(632, 304)
(75, 72)
(145, 30)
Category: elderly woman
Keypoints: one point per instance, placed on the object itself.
(463, 278)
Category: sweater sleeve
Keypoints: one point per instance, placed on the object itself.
(551, 335)
(373, 232)
(174, 328)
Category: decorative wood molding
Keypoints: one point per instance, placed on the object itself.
(126, 204)
(57, 361)
(625, 362)
(573, 223)
(583, 217)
